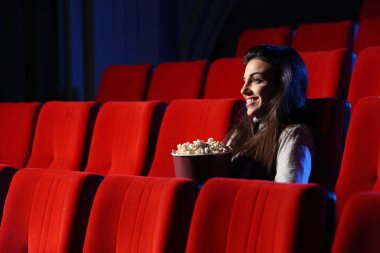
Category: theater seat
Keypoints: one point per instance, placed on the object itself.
(47, 211)
(236, 216)
(272, 36)
(177, 80)
(186, 120)
(225, 78)
(368, 34)
(324, 36)
(365, 79)
(368, 9)
(124, 83)
(328, 73)
(62, 135)
(17, 123)
(328, 120)
(124, 137)
(359, 227)
(360, 164)
(140, 214)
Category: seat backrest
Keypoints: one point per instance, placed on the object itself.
(273, 36)
(186, 120)
(328, 120)
(124, 83)
(47, 211)
(369, 8)
(124, 137)
(176, 80)
(235, 215)
(368, 34)
(360, 164)
(359, 227)
(140, 214)
(16, 132)
(62, 135)
(224, 78)
(328, 73)
(324, 36)
(365, 79)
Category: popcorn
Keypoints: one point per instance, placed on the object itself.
(199, 147)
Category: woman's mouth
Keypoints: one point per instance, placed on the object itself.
(251, 101)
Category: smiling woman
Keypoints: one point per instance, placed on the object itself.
(267, 143)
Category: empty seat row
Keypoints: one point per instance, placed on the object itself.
(69, 211)
(315, 36)
(329, 74)
(66, 211)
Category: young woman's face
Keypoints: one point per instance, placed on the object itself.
(259, 87)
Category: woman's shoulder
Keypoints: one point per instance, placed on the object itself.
(296, 131)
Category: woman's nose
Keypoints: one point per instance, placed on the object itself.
(245, 90)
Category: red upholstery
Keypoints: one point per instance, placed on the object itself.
(124, 83)
(328, 73)
(62, 135)
(47, 211)
(369, 8)
(365, 79)
(328, 120)
(124, 137)
(368, 34)
(324, 36)
(255, 216)
(174, 80)
(359, 228)
(273, 36)
(188, 120)
(360, 171)
(225, 78)
(16, 132)
(140, 214)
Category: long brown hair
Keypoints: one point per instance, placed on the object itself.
(290, 71)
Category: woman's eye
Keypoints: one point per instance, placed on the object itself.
(256, 80)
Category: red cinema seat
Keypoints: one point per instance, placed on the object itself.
(47, 211)
(140, 214)
(361, 158)
(124, 83)
(124, 137)
(365, 79)
(177, 80)
(368, 34)
(272, 36)
(16, 132)
(16, 135)
(328, 73)
(62, 135)
(186, 120)
(359, 227)
(369, 8)
(234, 216)
(324, 36)
(328, 120)
(225, 78)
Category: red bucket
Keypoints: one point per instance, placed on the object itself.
(202, 167)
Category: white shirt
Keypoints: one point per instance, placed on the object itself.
(294, 156)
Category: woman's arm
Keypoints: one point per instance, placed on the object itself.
(294, 155)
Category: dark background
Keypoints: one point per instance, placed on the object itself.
(58, 49)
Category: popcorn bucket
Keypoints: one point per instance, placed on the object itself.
(202, 167)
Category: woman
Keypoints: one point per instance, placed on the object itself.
(266, 143)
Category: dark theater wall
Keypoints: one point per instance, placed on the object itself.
(58, 49)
